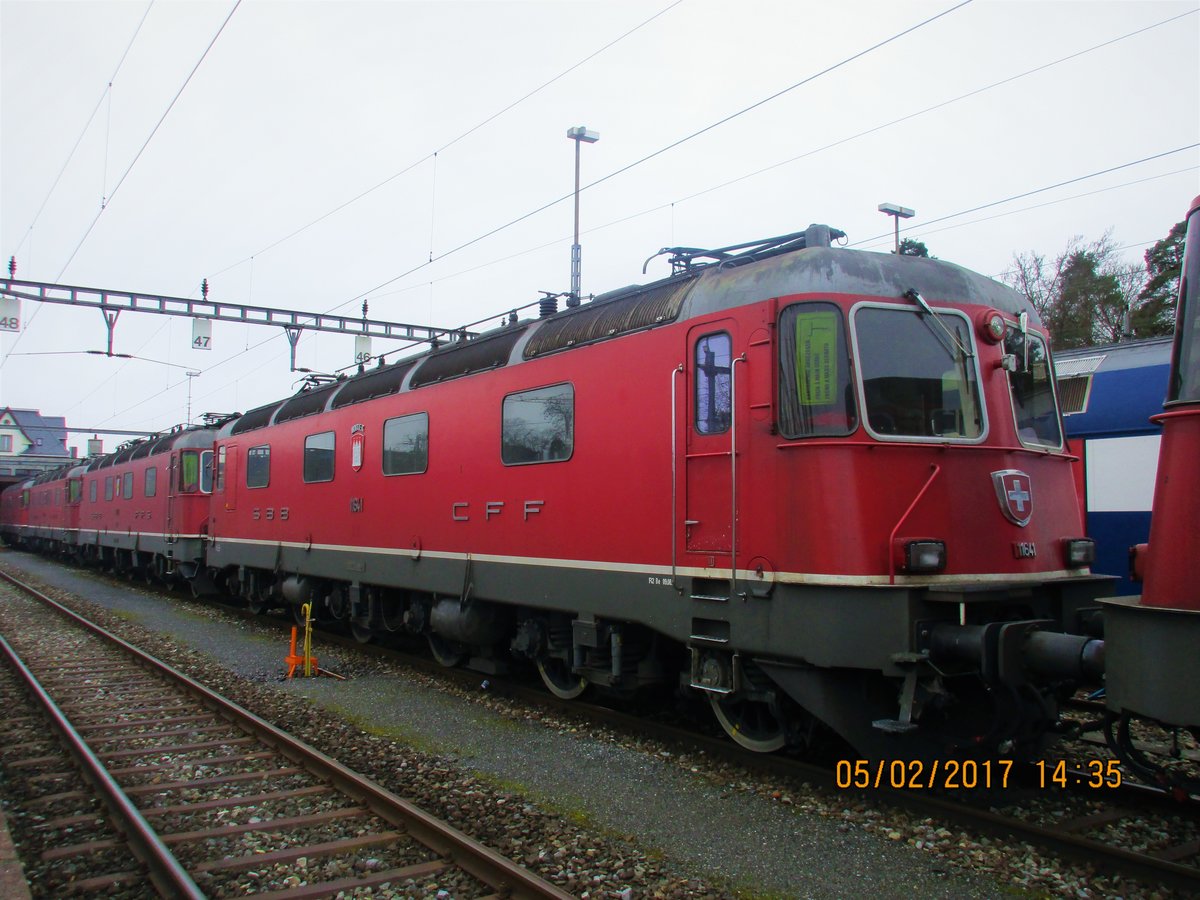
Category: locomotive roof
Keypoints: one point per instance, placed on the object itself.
(697, 291)
(59, 473)
(197, 436)
(1113, 357)
(833, 270)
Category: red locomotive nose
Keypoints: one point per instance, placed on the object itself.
(1170, 560)
(1174, 536)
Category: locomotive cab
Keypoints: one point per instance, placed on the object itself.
(910, 538)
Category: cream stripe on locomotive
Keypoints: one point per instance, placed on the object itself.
(663, 572)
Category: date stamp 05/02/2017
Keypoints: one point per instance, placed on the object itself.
(972, 774)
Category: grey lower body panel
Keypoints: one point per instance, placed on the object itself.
(825, 626)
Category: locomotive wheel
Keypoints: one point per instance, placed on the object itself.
(445, 652)
(750, 723)
(361, 633)
(558, 678)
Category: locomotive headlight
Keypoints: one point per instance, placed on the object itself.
(923, 556)
(991, 325)
(1079, 552)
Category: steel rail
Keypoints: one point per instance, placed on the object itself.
(485, 864)
(167, 873)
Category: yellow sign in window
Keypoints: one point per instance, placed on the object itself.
(817, 358)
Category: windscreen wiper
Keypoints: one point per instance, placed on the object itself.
(915, 297)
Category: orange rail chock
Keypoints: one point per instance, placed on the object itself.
(294, 660)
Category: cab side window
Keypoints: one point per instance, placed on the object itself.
(258, 466)
(713, 384)
(816, 381)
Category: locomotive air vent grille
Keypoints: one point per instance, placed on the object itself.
(1074, 377)
(1078, 365)
(1073, 393)
(123, 455)
(256, 418)
(163, 443)
(379, 383)
(468, 357)
(306, 403)
(606, 318)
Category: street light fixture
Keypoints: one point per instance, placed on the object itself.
(897, 213)
(580, 135)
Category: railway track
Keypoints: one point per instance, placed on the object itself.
(199, 795)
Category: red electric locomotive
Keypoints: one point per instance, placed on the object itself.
(43, 513)
(1152, 640)
(53, 522)
(144, 508)
(14, 512)
(820, 486)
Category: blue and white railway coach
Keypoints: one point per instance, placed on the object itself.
(1108, 395)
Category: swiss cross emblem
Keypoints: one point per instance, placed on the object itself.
(1014, 490)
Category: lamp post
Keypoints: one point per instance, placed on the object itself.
(579, 135)
(897, 213)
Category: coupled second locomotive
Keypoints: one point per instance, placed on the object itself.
(826, 489)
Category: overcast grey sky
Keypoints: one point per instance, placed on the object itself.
(298, 108)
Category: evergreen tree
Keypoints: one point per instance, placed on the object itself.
(911, 247)
(1155, 315)
(1090, 306)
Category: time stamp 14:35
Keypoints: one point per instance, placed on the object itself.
(955, 774)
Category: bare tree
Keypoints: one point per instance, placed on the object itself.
(1084, 295)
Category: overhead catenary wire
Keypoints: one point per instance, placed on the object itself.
(150, 137)
(446, 146)
(1041, 190)
(937, 106)
(645, 212)
(106, 93)
(677, 143)
(129, 169)
(840, 142)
